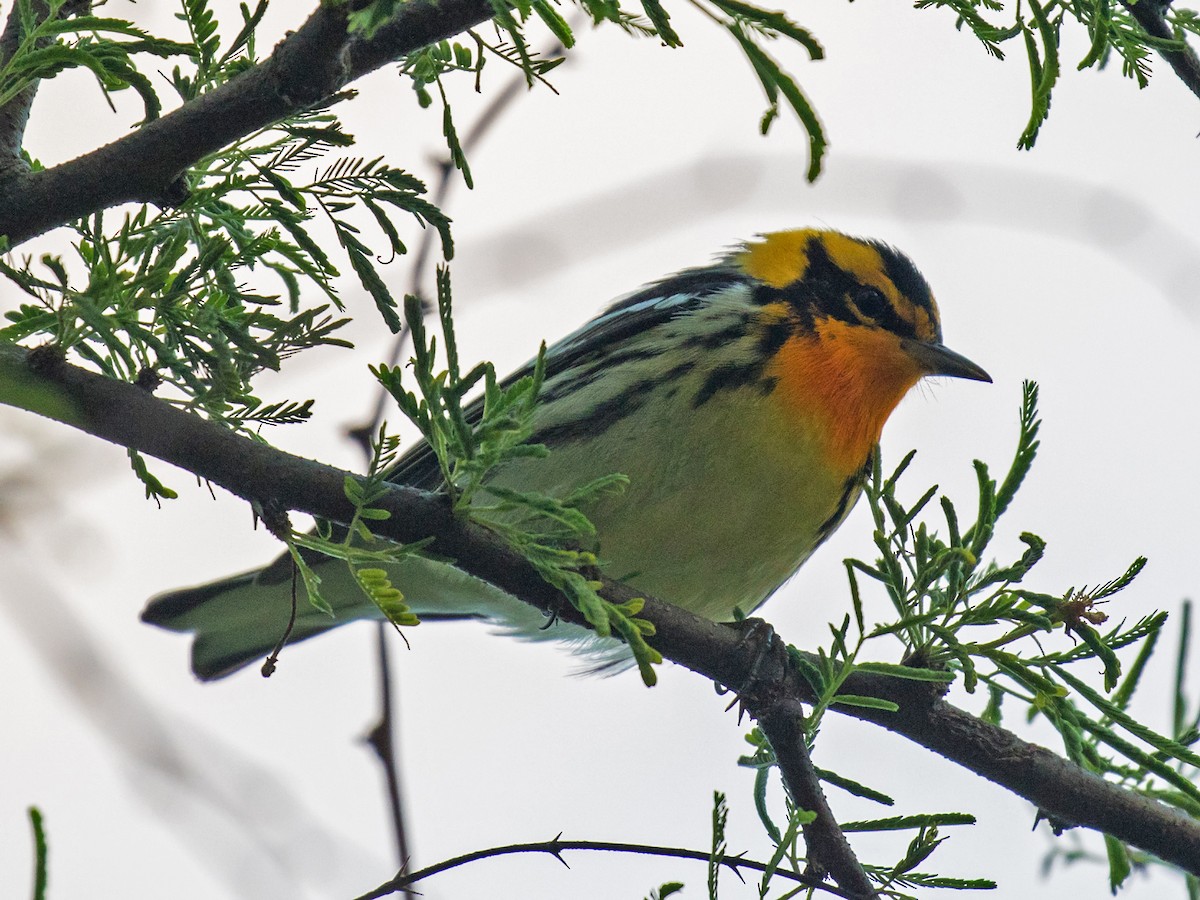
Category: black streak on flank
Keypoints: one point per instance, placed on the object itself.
(850, 491)
(774, 336)
(735, 375)
(598, 420)
(587, 370)
(738, 375)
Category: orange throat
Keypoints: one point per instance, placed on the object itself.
(844, 382)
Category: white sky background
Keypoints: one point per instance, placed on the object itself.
(1077, 265)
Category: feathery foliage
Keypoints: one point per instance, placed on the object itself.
(1111, 32)
(959, 619)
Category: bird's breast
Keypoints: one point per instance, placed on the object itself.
(726, 499)
(842, 382)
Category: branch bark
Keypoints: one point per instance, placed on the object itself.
(1148, 14)
(782, 721)
(309, 65)
(14, 115)
(130, 417)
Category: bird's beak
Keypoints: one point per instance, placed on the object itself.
(941, 360)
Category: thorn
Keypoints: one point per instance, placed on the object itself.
(361, 436)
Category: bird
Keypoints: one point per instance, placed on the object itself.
(744, 400)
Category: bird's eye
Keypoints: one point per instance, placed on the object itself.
(870, 301)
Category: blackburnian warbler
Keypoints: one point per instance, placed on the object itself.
(743, 400)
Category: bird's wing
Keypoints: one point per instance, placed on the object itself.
(630, 315)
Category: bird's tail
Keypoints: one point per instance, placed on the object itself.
(238, 620)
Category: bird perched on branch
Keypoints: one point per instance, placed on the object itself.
(743, 400)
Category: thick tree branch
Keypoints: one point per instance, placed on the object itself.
(129, 416)
(1149, 14)
(309, 65)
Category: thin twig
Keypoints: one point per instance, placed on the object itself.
(382, 737)
(556, 847)
(272, 660)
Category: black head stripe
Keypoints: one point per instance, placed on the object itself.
(909, 281)
(820, 293)
(828, 284)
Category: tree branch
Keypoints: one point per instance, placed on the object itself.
(124, 414)
(1060, 789)
(381, 739)
(14, 115)
(557, 847)
(1149, 14)
(782, 721)
(309, 65)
